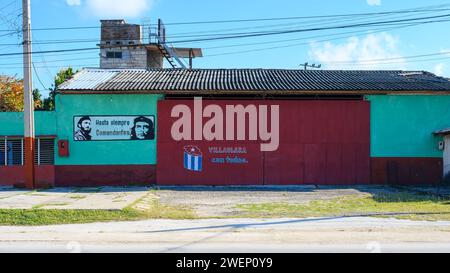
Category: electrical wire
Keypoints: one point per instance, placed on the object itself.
(248, 35)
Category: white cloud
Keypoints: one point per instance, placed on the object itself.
(447, 51)
(374, 2)
(360, 53)
(118, 8)
(114, 9)
(73, 2)
(439, 69)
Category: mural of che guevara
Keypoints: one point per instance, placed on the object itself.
(143, 129)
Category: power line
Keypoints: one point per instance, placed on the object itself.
(317, 36)
(398, 58)
(73, 28)
(290, 26)
(37, 76)
(366, 61)
(88, 40)
(278, 42)
(272, 32)
(55, 66)
(403, 11)
(310, 29)
(9, 33)
(15, 57)
(51, 51)
(49, 74)
(387, 63)
(303, 23)
(54, 61)
(300, 17)
(257, 34)
(8, 5)
(304, 43)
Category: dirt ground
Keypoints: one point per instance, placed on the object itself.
(221, 201)
(204, 201)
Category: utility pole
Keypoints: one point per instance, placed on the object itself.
(306, 65)
(28, 97)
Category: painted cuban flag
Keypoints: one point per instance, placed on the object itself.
(193, 158)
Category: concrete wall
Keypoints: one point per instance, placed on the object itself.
(132, 58)
(119, 30)
(403, 148)
(11, 123)
(123, 162)
(154, 59)
(402, 125)
(105, 152)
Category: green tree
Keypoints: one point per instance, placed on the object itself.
(62, 76)
(37, 97)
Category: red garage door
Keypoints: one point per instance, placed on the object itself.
(320, 142)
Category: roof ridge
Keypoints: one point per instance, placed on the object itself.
(254, 69)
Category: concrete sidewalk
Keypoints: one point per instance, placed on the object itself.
(205, 201)
(107, 198)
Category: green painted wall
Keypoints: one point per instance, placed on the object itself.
(105, 152)
(11, 123)
(402, 125)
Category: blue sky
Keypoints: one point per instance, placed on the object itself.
(386, 47)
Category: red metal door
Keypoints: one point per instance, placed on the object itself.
(320, 142)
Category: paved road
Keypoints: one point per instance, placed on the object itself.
(355, 234)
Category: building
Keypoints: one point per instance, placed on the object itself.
(122, 46)
(114, 126)
(336, 127)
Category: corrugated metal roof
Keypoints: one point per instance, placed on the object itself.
(88, 79)
(252, 80)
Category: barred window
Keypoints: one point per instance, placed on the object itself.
(114, 54)
(44, 151)
(12, 151)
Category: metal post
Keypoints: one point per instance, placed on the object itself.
(28, 97)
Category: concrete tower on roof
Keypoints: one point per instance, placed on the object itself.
(122, 47)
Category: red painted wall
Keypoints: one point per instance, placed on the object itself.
(105, 175)
(407, 170)
(15, 175)
(81, 176)
(321, 142)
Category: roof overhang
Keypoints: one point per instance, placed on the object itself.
(188, 52)
(182, 52)
(250, 92)
(443, 132)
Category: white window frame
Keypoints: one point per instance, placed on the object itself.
(22, 150)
